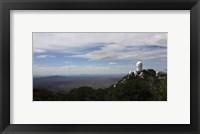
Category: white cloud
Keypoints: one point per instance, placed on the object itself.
(112, 63)
(41, 56)
(116, 52)
(45, 56)
(61, 42)
(39, 50)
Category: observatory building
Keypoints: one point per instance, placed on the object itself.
(139, 66)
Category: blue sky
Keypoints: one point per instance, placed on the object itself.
(97, 53)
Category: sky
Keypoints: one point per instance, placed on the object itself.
(97, 53)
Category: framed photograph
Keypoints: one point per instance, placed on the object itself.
(100, 66)
(97, 66)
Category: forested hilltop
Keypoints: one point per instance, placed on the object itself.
(143, 86)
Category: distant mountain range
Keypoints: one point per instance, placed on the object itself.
(58, 83)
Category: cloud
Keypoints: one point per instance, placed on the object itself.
(39, 50)
(45, 56)
(117, 52)
(51, 56)
(67, 62)
(112, 63)
(71, 42)
(41, 56)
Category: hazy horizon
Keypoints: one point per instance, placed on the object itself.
(78, 75)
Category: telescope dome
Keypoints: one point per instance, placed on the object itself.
(139, 66)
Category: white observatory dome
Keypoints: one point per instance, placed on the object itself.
(139, 66)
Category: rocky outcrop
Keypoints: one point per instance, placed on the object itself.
(144, 74)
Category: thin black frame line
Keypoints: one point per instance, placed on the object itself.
(192, 5)
(1, 70)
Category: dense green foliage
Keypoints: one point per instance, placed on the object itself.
(133, 88)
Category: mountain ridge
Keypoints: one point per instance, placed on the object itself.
(145, 85)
